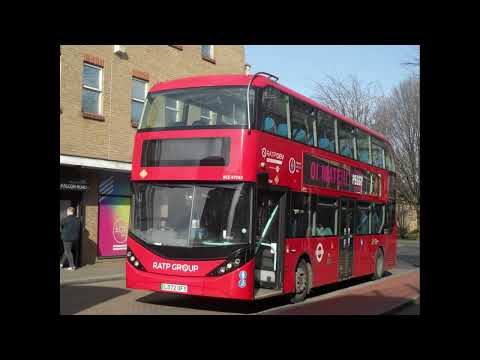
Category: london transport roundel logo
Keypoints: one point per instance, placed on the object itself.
(291, 165)
(319, 252)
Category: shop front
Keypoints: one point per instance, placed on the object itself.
(73, 187)
(113, 214)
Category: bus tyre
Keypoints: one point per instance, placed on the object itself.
(301, 282)
(378, 271)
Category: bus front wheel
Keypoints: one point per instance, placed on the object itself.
(378, 272)
(301, 282)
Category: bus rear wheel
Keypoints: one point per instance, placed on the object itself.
(378, 272)
(301, 282)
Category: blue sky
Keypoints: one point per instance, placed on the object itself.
(298, 66)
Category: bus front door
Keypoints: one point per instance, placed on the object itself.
(346, 227)
(269, 239)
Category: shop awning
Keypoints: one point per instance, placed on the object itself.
(95, 163)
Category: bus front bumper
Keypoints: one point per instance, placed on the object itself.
(225, 286)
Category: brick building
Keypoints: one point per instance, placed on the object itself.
(102, 90)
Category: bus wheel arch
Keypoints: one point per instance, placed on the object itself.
(310, 275)
(303, 271)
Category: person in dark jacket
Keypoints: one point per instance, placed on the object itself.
(70, 232)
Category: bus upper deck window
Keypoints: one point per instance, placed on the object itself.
(268, 124)
(282, 130)
(325, 131)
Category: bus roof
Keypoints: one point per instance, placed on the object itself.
(260, 81)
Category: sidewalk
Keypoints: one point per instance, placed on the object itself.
(373, 298)
(101, 271)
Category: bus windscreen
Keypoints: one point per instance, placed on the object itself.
(191, 215)
(197, 108)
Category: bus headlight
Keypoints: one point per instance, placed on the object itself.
(237, 259)
(134, 261)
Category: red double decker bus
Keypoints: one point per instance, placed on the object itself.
(245, 189)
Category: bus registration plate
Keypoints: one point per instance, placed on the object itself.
(174, 288)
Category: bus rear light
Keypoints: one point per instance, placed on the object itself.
(134, 261)
(237, 259)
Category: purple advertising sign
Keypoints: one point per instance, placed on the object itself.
(333, 175)
(113, 220)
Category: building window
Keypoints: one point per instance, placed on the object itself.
(139, 92)
(207, 52)
(92, 89)
(172, 111)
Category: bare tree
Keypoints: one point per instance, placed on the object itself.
(350, 98)
(402, 213)
(398, 117)
(413, 63)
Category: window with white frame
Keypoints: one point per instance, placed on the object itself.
(172, 110)
(92, 89)
(207, 51)
(139, 92)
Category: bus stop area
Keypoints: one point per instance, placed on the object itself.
(112, 269)
(372, 298)
(100, 289)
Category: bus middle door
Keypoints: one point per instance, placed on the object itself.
(269, 239)
(346, 228)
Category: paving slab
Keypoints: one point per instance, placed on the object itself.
(373, 298)
(101, 271)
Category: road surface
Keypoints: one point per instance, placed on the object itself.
(112, 298)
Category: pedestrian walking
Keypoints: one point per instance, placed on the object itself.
(70, 233)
